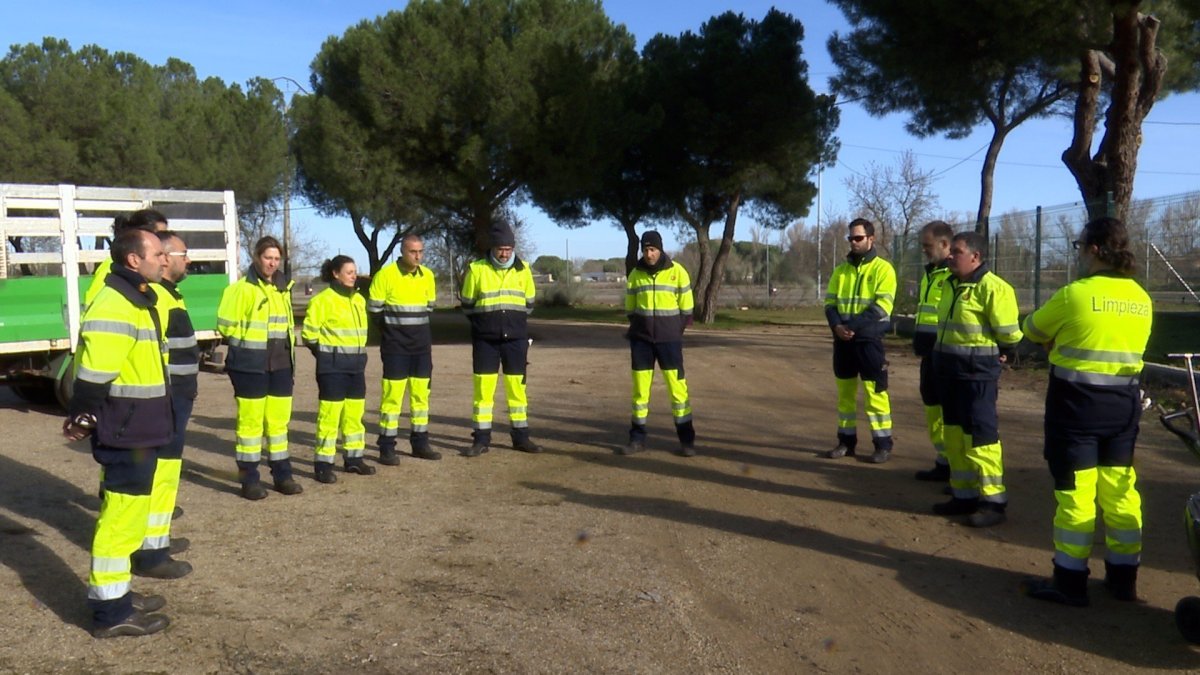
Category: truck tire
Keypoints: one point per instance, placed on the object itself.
(64, 386)
(35, 390)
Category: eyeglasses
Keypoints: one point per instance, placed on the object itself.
(856, 237)
(178, 254)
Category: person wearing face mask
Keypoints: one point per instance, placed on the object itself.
(858, 307)
(256, 319)
(1096, 329)
(335, 331)
(497, 297)
(658, 302)
(121, 402)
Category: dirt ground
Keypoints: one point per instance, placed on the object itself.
(756, 556)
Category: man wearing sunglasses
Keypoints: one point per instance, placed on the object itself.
(858, 306)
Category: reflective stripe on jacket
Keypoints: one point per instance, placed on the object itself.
(183, 354)
(253, 311)
(1099, 326)
(860, 296)
(976, 318)
(929, 294)
(658, 304)
(400, 303)
(335, 323)
(120, 372)
(498, 301)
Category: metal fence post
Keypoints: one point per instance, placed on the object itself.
(1037, 258)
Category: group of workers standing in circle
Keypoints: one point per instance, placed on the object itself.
(967, 326)
(138, 361)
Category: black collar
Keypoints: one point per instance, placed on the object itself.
(132, 285)
(857, 260)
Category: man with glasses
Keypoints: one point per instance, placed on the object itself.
(183, 364)
(400, 300)
(858, 307)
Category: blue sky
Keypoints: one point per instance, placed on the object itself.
(239, 40)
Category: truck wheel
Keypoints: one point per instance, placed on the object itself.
(64, 386)
(1187, 619)
(34, 390)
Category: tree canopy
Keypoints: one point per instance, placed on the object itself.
(463, 100)
(91, 117)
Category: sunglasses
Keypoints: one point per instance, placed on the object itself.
(856, 237)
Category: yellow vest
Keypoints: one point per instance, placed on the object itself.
(335, 323)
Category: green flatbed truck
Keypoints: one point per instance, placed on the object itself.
(51, 239)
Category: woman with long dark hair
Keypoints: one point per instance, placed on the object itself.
(335, 331)
(1096, 329)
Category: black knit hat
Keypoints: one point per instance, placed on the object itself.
(652, 238)
(501, 235)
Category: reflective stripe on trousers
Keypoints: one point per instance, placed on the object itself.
(1115, 487)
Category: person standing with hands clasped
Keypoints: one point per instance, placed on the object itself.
(401, 299)
(335, 331)
(977, 333)
(1096, 329)
(935, 246)
(858, 307)
(256, 319)
(121, 402)
(658, 302)
(497, 297)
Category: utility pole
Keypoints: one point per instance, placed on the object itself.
(287, 180)
(818, 289)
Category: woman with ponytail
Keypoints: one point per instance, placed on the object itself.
(1096, 329)
(335, 331)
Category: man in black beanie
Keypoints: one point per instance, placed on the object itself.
(658, 301)
(497, 297)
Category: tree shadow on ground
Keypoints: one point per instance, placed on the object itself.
(1145, 637)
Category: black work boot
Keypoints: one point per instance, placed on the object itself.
(421, 448)
(940, 473)
(1066, 587)
(323, 472)
(358, 466)
(146, 603)
(387, 451)
(135, 625)
(178, 545)
(637, 440)
(253, 491)
(168, 569)
(989, 514)
(956, 507)
(1121, 581)
(288, 486)
(522, 442)
(481, 440)
(842, 450)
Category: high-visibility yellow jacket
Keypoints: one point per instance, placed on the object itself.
(183, 353)
(659, 302)
(121, 375)
(929, 294)
(254, 310)
(861, 294)
(335, 328)
(400, 303)
(93, 290)
(977, 319)
(498, 301)
(1099, 326)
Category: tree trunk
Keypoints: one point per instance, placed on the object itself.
(711, 294)
(987, 178)
(1138, 70)
(631, 245)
